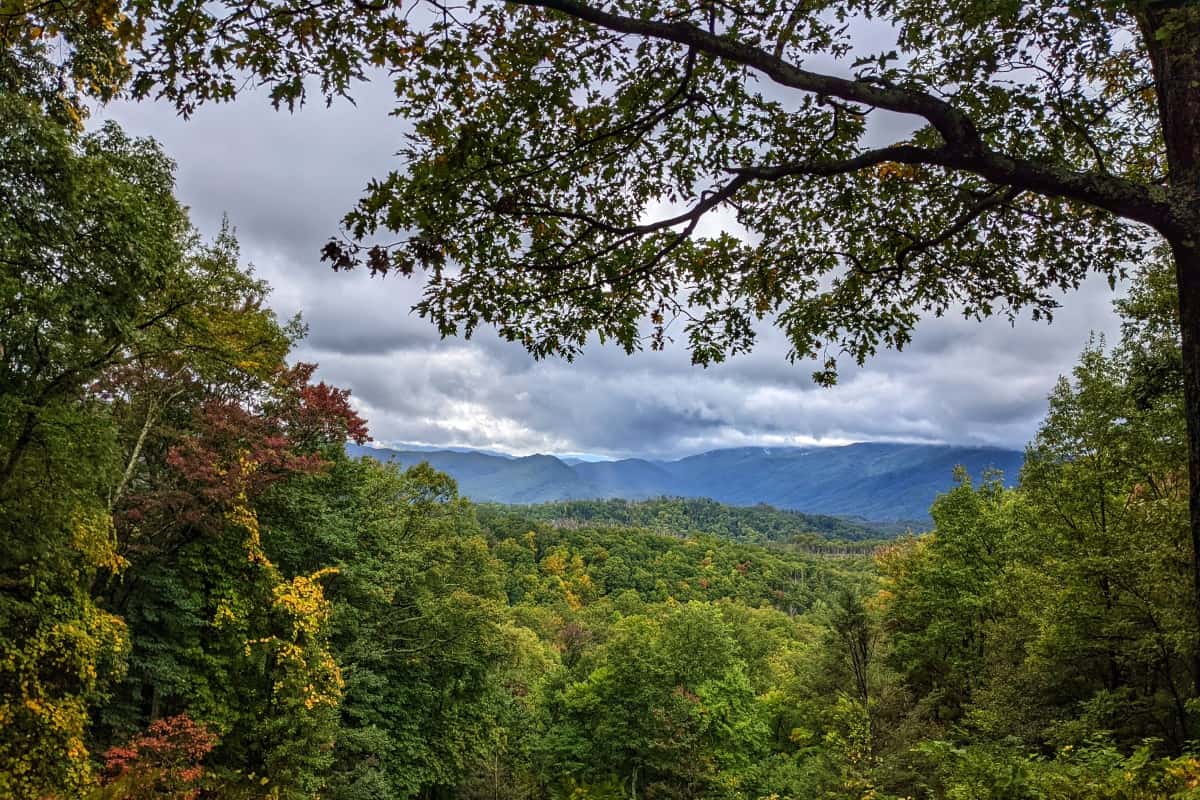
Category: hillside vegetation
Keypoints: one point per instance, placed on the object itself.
(759, 524)
(203, 595)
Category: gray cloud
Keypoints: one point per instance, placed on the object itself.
(286, 180)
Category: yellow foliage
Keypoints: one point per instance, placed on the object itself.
(890, 170)
(56, 670)
(304, 600)
(1186, 771)
(224, 614)
(242, 516)
(896, 560)
(307, 669)
(95, 538)
(555, 563)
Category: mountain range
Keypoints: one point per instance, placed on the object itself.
(873, 481)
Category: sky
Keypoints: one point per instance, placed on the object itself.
(285, 180)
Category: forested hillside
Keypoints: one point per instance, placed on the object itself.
(875, 481)
(758, 524)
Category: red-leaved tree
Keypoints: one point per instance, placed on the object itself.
(167, 761)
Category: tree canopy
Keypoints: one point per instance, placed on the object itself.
(565, 156)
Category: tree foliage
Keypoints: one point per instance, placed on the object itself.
(565, 154)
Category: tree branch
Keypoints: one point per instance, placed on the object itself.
(1124, 198)
(954, 126)
(990, 201)
(707, 202)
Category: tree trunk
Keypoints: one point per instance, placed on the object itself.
(1187, 272)
(1172, 34)
(24, 439)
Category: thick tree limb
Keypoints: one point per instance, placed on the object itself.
(954, 126)
(1131, 200)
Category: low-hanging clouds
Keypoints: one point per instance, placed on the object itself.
(285, 180)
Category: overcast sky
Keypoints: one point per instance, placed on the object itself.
(285, 181)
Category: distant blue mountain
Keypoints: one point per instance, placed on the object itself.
(874, 481)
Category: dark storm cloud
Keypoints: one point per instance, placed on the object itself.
(286, 180)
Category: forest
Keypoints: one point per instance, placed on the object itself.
(203, 596)
(759, 524)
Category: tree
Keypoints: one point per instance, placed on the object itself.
(1057, 614)
(415, 621)
(1105, 498)
(164, 762)
(218, 629)
(666, 709)
(941, 591)
(95, 255)
(145, 405)
(60, 55)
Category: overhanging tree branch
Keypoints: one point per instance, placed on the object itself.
(1122, 197)
(964, 147)
(954, 126)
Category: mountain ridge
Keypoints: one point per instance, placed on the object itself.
(876, 481)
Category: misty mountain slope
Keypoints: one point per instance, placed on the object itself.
(875, 481)
(465, 467)
(494, 478)
(631, 479)
(532, 479)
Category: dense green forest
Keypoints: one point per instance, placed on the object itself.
(759, 524)
(203, 596)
